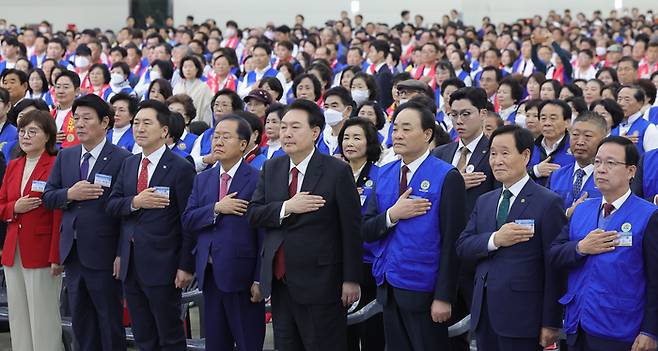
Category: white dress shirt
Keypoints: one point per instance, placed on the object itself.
(412, 168)
(471, 147)
(95, 153)
(61, 116)
(117, 133)
(549, 150)
(272, 147)
(301, 168)
(650, 140)
(154, 159)
(617, 203)
(589, 170)
(515, 189)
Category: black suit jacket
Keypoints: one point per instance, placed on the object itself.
(322, 249)
(480, 160)
(453, 220)
(383, 78)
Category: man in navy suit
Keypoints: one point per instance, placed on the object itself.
(156, 260)
(610, 249)
(228, 248)
(515, 300)
(79, 185)
(470, 155)
(379, 50)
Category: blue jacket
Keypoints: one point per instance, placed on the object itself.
(562, 156)
(97, 232)
(127, 140)
(645, 183)
(8, 138)
(233, 244)
(561, 182)
(639, 126)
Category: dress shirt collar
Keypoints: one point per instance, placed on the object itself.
(156, 155)
(231, 172)
(302, 166)
(619, 202)
(96, 151)
(516, 188)
(472, 145)
(413, 166)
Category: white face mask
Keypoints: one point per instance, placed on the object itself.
(43, 29)
(360, 96)
(600, 51)
(333, 117)
(81, 61)
(154, 75)
(230, 32)
(116, 78)
(403, 101)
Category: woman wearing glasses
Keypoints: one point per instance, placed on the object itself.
(31, 250)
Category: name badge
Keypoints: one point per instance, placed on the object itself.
(414, 197)
(38, 186)
(103, 180)
(162, 190)
(528, 223)
(363, 199)
(625, 239)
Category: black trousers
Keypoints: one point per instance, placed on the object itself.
(488, 340)
(299, 327)
(369, 335)
(582, 341)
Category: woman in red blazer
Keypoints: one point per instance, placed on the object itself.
(31, 249)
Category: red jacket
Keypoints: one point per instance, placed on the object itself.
(36, 230)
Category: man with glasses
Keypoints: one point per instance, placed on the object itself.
(610, 249)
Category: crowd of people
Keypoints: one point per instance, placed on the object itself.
(507, 171)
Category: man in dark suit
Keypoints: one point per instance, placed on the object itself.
(308, 204)
(610, 249)
(379, 50)
(515, 300)
(228, 249)
(414, 216)
(156, 258)
(80, 184)
(470, 155)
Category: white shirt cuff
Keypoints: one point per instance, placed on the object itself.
(535, 170)
(389, 222)
(282, 214)
(490, 245)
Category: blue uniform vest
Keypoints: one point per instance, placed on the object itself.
(186, 143)
(650, 174)
(370, 250)
(410, 254)
(653, 114)
(206, 142)
(640, 126)
(8, 138)
(562, 184)
(258, 161)
(561, 156)
(324, 148)
(127, 140)
(251, 76)
(606, 294)
(277, 153)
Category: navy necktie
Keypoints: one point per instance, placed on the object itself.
(84, 166)
(578, 183)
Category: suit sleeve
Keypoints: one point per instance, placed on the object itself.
(260, 212)
(53, 256)
(650, 250)
(374, 224)
(349, 215)
(185, 178)
(553, 220)
(198, 216)
(563, 253)
(472, 245)
(118, 204)
(6, 206)
(636, 185)
(55, 195)
(453, 220)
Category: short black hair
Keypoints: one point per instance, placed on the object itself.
(515, 88)
(638, 95)
(42, 76)
(197, 64)
(164, 85)
(613, 108)
(325, 72)
(121, 50)
(380, 46)
(75, 79)
(176, 126)
(632, 155)
(103, 68)
(497, 72)
(455, 82)
(342, 93)
(574, 89)
(98, 104)
(39, 104)
(373, 147)
(254, 122)
(477, 96)
(274, 84)
(166, 68)
(379, 113)
(373, 88)
(566, 109)
(236, 102)
(132, 101)
(317, 86)
(649, 89)
(22, 76)
(276, 108)
(4, 95)
(634, 63)
(578, 103)
(161, 109)
(315, 115)
(124, 68)
(184, 100)
(427, 118)
(244, 129)
(264, 46)
(523, 139)
(610, 70)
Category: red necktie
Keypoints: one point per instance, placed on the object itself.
(403, 179)
(607, 209)
(372, 69)
(223, 185)
(279, 258)
(143, 179)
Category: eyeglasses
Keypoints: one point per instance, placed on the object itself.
(464, 115)
(30, 132)
(608, 163)
(224, 137)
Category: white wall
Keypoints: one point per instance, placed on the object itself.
(112, 13)
(105, 14)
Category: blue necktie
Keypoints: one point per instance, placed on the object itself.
(503, 209)
(578, 184)
(84, 167)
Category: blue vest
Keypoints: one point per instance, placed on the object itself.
(410, 254)
(8, 138)
(512, 118)
(463, 75)
(562, 156)
(650, 174)
(324, 148)
(127, 140)
(640, 126)
(277, 153)
(206, 142)
(370, 250)
(606, 294)
(258, 161)
(653, 114)
(251, 76)
(562, 184)
(186, 143)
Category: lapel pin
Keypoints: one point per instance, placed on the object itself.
(164, 166)
(522, 200)
(484, 151)
(104, 158)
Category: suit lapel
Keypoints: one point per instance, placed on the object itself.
(490, 221)
(313, 172)
(240, 180)
(480, 151)
(103, 159)
(162, 168)
(40, 171)
(522, 200)
(451, 152)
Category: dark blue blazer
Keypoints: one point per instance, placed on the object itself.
(383, 78)
(161, 246)
(97, 232)
(233, 244)
(480, 161)
(522, 288)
